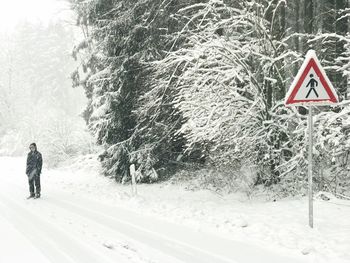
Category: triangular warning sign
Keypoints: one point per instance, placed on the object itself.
(311, 85)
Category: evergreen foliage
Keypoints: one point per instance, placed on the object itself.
(122, 39)
(204, 81)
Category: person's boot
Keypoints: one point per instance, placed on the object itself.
(31, 196)
(37, 195)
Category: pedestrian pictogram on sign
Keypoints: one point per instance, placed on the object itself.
(311, 85)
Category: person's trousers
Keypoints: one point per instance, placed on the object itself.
(34, 181)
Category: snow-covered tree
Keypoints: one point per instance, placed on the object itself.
(204, 81)
(231, 77)
(122, 38)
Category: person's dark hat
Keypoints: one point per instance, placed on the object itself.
(33, 144)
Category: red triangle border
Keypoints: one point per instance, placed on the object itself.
(312, 63)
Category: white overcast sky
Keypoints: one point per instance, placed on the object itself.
(13, 12)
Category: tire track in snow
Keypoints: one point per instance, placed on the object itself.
(166, 245)
(56, 244)
(13, 241)
(124, 245)
(175, 248)
(175, 240)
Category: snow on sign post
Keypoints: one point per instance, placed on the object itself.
(310, 87)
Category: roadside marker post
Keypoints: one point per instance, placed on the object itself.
(133, 180)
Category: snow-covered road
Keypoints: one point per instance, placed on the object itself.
(65, 227)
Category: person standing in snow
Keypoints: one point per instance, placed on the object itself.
(33, 170)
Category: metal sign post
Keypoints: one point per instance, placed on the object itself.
(311, 212)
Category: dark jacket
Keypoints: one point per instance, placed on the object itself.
(34, 161)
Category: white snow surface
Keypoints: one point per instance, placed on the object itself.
(85, 217)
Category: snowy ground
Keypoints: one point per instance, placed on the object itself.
(84, 217)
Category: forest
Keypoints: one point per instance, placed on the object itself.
(198, 86)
